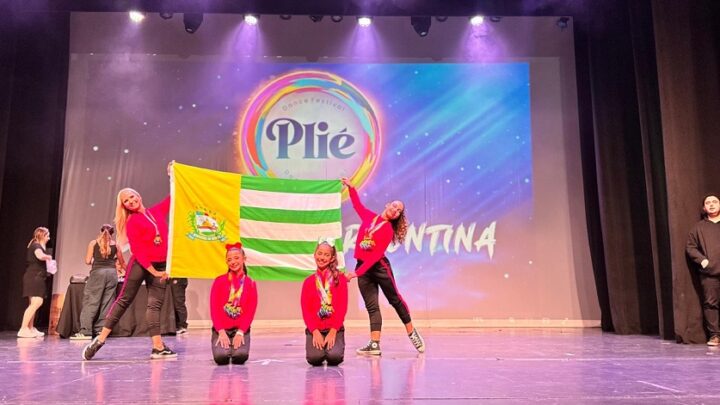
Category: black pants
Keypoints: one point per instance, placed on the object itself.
(179, 286)
(98, 295)
(238, 355)
(334, 356)
(156, 297)
(380, 275)
(711, 303)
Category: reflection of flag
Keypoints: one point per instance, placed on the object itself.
(279, 222)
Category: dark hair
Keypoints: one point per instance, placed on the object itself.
(110, 229)
(703, 214)
(400, 227)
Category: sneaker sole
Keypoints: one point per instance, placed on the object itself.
(163, 356)
(369, 353)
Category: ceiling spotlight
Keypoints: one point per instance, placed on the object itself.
(441, 18)
(364, 21)
(251, 19)
(192, 21)
(562, 23)
(316, 18)
(285, 17)
(495, 19)
(166, 15)
(421, 25)
(136, 16)
(336, 18)
(477, 20)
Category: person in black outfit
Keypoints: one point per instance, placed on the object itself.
(102, 254)
(703, 248)
(34, 281)
(179, 287)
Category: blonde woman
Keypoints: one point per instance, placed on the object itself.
(105, 260)
(34, 281)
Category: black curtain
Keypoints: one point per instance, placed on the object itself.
(33, 94)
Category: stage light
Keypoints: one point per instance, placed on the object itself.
(285, 17)
(251, 19)
(316, 18)
(562, 23)
(364, 21)
(477, 20)
(421, 25)
(336, 18)
(192, 21)
(166, 15)
(441, 18)
(136, 16)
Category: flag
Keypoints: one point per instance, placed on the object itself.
(278, 221)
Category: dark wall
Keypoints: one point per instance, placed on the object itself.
(32, 121)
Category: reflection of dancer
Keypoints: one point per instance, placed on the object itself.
(102, 255)
(703, 248)
(233, 301)
(34, 281)
(325, 386)
(373, 269)
(324, 301)
(146, 231)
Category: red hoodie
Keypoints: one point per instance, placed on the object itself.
(218, 298)
(141, 234)
(310, 303)
(382, 237)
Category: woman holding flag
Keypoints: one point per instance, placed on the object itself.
(324, 302)
(373, 269)
(145, 230)
(233, 301)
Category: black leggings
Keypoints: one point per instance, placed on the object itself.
(156, 296)
(236, 355)
(381, 275)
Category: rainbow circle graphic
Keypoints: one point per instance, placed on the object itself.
(253, 120)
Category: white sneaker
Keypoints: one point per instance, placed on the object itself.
(37, 332)
(26, 333)
(80, 336)
(181, 331)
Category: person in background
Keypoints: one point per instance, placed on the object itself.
(324, 302)
(34, 281)
(233, 301)
(179, 287)
(703, 249)
(373, 268)
(103, 257)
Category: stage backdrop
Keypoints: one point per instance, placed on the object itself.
(476, 132)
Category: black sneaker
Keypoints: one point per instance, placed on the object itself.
(92, 348)
(417, 341)
(714, 341)
(165, 353)
(372, 349)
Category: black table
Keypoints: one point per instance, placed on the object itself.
(132, 323)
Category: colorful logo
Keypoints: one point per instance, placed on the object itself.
(309, 124)
(204, 226)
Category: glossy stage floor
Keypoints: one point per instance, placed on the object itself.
(460, 366)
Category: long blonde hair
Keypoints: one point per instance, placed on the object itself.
(39, 233)
(104, 239)
(121, 216)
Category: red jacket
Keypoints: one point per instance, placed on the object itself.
(141, 234)
(382, 237)
(219, 297)
(310, 303)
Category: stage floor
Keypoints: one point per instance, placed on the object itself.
(460, 366)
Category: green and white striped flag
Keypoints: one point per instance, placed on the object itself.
(281, 221)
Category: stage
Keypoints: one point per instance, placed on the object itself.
(460, 366)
